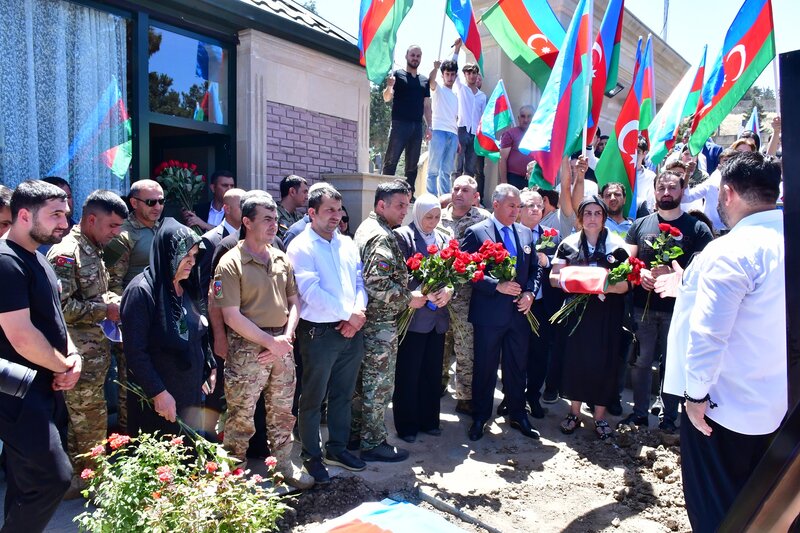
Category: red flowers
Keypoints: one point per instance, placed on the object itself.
(414, 262)
(117, 441)
(478, 275)
(165, 474)
(635, 276)
(432, 249)
(238, 472)
(156, 495)
(664, 227)
(447, 253)
(552, 232)
(87, 474)
(675, 232)
(211, 467)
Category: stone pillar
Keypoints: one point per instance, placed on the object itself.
(358, 193)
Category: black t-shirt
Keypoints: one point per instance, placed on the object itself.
(30, 282)
(409, 96)
(696, 236)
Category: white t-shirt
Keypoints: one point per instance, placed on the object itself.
(444, 109)
(644, 187)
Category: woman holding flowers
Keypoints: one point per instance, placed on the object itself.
(165, 335)
(592, 338)
(418, 375)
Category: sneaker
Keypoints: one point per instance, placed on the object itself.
(346, 460)
(384, 453)
(550, 397)
(317, 470)
(295, 477)
(633, 420)
(668, 426)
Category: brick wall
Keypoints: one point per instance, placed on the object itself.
(308, 144)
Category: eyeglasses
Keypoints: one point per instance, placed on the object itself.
(151, 202)
(345, 219)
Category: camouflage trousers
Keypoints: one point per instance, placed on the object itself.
(86, 402)
(245, 380)
(375, 383)
(458, 342)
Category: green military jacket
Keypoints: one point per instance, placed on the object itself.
(129, 252)
(79, 266)
(285, 220)
(458, 227)
(384, 269)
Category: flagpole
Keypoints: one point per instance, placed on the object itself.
(588, 85)
(775, 75)
(441, 34)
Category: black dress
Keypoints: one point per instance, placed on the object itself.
(591, 354)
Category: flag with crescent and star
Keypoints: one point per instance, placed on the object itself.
(460, 12)
(497, 116)
(618, 162)
(748, 48)
(564, 106)
(378, 22)
(605, 61)
(681, 103)
(647, 96)
(529, 33)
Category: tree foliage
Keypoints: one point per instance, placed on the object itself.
(380, 119)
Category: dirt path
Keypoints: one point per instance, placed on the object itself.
(562, 483)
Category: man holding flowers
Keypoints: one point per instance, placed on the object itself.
(657, 239)
(498, 312)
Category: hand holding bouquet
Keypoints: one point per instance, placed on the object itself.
(503, 268)
(665, 248)
(181, 183)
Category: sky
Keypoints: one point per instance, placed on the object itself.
(691, 24)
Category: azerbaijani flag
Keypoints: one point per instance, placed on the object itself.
(496, 117)
(647, 96)
(460, 12)
(564, 107)
(753, 124)
(605, 62)
(681, 103)
(529, 33)
(378, 22)
(118, 158)
(618, 162)
(748, 48)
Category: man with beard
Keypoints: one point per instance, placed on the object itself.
(613, 195)
(33, 334)
(652, 327)
(727, 342)
(411, 99)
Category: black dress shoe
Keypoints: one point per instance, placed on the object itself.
(476, 430)
(524, 426)
(537, 411)
(502, 409)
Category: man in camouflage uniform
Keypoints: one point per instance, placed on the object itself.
(86, 301)
(385, 279)
(127, 255)
(457, 217)
(254, 286)
(294, 195)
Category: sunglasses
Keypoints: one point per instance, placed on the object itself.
(151, 203)
(345, 219)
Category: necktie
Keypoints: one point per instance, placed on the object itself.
(508, 241)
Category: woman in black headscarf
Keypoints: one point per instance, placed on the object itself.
(591, 352)
(164, 332)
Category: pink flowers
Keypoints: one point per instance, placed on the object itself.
(271, 462)
(177, 441)
(117, 441)
(165, 474)
(211, 467)
(98, 450)
(87, 474)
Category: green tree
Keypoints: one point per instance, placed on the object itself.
(311, 5)
(165, 99)
(380, 119)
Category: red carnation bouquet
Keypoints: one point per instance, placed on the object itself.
(665, 249)
(504, 268)
(546, 240)
(629, 270)
(181, 183)
(447, 267)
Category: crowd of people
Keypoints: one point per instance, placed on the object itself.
(284, 321)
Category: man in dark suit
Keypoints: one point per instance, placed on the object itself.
(497, 313)
(208, 215)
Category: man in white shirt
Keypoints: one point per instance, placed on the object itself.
(327, 268)
(727, 342)
(471, 103)
(645, 181)
(444, 135)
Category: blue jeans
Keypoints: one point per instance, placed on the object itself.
(441, 161)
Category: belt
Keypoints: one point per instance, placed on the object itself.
(319, 324)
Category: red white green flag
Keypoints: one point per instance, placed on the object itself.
(377, 34)
(529, 33)
(497, 116)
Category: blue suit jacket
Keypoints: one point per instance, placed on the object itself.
(489, 307)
